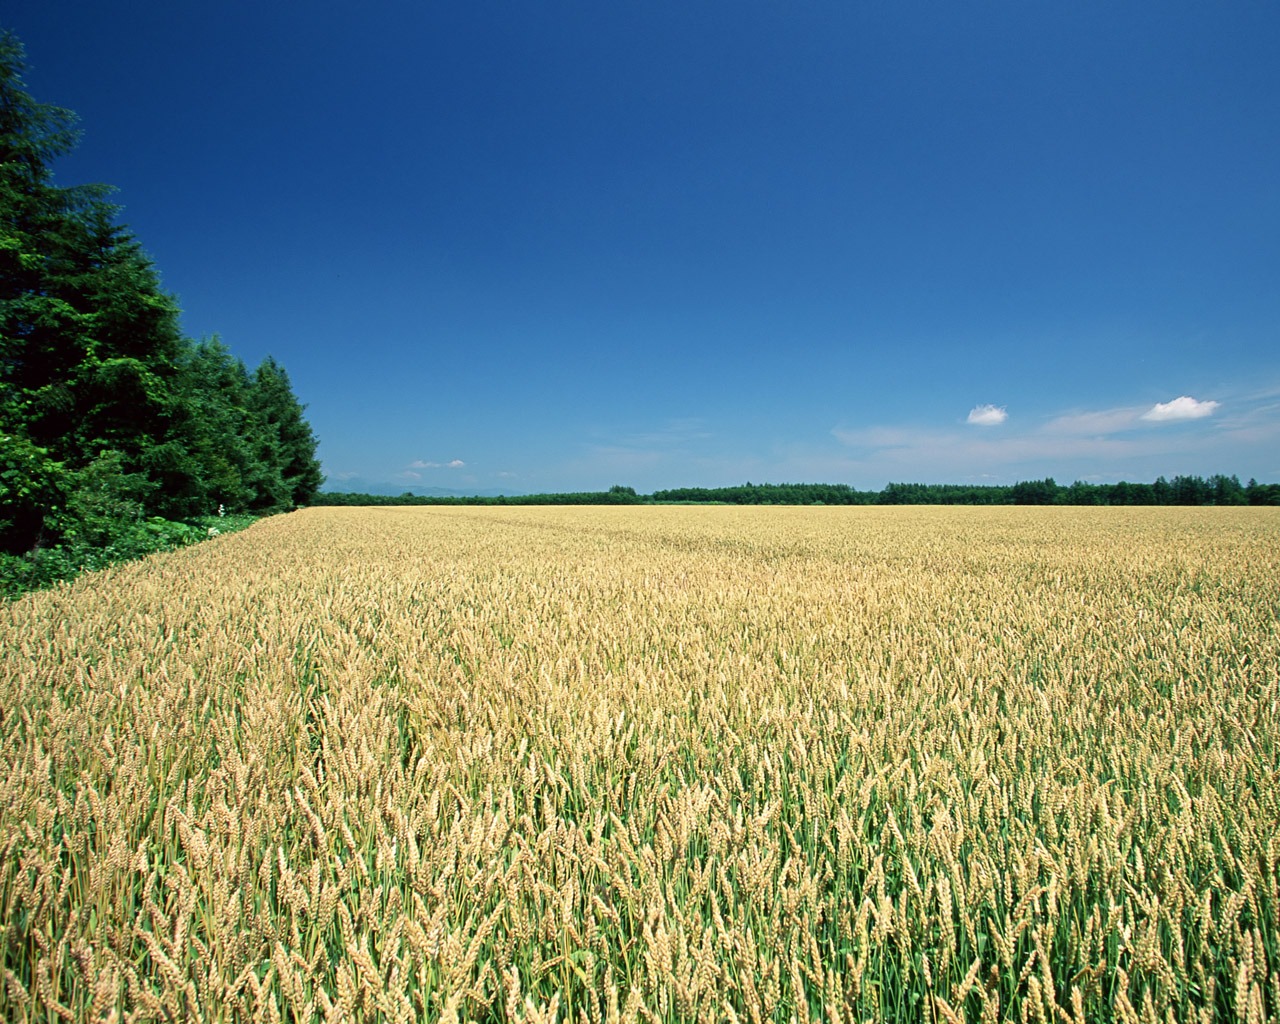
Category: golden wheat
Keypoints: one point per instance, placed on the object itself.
(623, 764)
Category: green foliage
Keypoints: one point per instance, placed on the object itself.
(614, 496)
(1262, 494)
(217, 434)
(1182, 490)
(32, 489)
(113, 426)
(769, 494)
(125, 541)
(620, 495)
(105, 501)
(292, 443)
(1035, 492)
(1217, 490)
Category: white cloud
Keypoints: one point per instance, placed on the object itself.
(423, 464)
(948, 450)
(1184, 407)
(988, 415)
(1106, 421)
(1124, 442)
(1134, 442)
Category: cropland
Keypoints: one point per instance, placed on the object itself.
(652, 764)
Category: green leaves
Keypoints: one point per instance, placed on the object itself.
(110, 415)
(281, 412)
(32, 490)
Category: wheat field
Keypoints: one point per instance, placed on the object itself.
(652, 764)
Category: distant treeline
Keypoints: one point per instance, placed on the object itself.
(614, 496)
(1181, 490)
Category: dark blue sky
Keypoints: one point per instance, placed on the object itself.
(544, 246)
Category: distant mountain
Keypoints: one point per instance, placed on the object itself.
(358, 485)
(445, 492)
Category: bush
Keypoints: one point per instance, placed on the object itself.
(91, 550)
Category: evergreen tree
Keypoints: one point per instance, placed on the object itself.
(107, 413)
(272, 398)
(88, 341)
(219, 467)
(33, 322)
(1035, 492)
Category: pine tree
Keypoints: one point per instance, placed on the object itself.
(219, 468)
(273, 399)
(89, 343)
(107, 413)
(33, 323)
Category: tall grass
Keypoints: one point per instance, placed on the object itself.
(659, 764)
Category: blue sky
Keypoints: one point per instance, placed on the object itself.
(561, 245)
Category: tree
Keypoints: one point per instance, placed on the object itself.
(88, 341)
(32, 322)
(287, 432)
(215, 466)
(1189, 490)
(1262, 494)
(619, 494)
(106, 411)
(32, 487)
(1227, 490)
(1035, 492)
